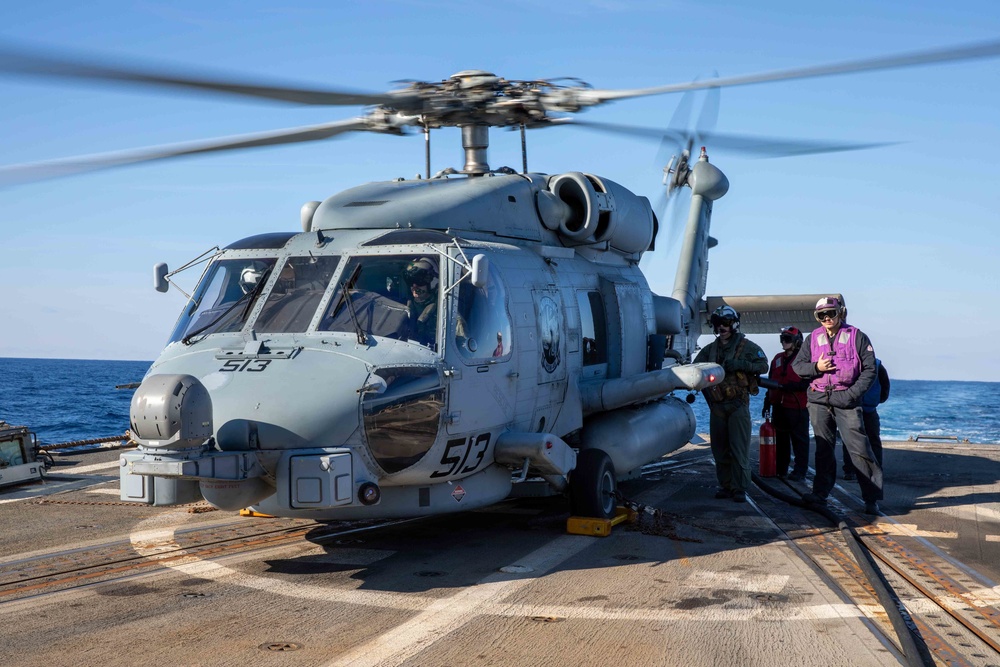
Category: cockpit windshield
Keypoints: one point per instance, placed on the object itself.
(389, 296)
(224, 297)
(296, 294)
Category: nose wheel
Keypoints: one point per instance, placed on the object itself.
(593, 486)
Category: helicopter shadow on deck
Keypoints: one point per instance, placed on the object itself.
(459, 550)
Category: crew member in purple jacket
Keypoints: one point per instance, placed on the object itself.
(839, 362)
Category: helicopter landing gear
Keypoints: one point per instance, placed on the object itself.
(592, 485)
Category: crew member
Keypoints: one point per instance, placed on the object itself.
(729, 401)
(787, 406)
(839, 361)
(878, 393)
(421, 277)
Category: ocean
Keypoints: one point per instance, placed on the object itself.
(71, 399)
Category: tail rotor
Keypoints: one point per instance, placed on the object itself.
(681, 137)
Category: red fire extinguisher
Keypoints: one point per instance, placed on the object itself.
(768, 449)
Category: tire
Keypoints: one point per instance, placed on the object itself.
(592, 485)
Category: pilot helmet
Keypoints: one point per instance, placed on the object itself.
(791, 334)
(421, 271)
(726, 315)
(249, 277)
(830, 303)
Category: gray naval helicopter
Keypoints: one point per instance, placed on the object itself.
(437, 344)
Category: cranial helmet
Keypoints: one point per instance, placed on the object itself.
(725, 315)
(421, 271)
(794, 334)
(829, 303)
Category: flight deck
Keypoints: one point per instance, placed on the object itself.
(703, 582)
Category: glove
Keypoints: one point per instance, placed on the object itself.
(427, 313)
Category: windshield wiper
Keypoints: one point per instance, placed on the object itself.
(362, 337)
(249, 298)
(344, 287)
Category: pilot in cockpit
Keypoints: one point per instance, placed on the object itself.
(249, 278)
(421, 277)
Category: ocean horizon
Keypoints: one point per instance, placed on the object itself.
(64, 400)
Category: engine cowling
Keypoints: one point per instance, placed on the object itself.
(583, 208)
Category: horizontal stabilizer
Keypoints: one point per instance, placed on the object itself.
(769, 313)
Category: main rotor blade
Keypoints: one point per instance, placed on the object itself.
(737, 143)
(15, 61)
(37, 171)
(968, 52)
(776, 147)
(707, 119)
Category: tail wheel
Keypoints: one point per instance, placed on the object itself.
(592, 485)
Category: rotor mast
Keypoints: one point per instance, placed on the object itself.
(475, 142)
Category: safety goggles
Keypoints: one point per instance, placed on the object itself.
(723, 322)
(786, 338)
(826, 314)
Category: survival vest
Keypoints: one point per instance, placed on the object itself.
(738, 385)
(844, 352)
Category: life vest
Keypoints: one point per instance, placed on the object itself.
(782, 373)
(844, 352)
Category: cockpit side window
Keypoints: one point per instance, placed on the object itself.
(296, 294)
(483, 325)
(391, 296)
(224, 297)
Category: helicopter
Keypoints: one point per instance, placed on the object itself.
(438, 344)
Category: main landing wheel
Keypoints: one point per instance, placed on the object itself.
(592, 485)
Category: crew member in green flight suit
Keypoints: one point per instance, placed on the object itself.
(729, 401)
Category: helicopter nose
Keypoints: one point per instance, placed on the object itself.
(311, 401)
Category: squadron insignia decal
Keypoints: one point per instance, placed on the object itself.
(549, 324)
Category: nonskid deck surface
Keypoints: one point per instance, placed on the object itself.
(83, 576)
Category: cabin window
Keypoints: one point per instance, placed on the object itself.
(401, 423)
(224, 297)
(296, 294)
(483, 326)
(593, 328)
(389, 296)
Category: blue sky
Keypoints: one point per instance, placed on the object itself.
(908, 233)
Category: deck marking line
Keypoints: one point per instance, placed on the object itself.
(761, 583)
(76, 470)
(151, 543)
(704, 614)
(107, 492)
(447, 614)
